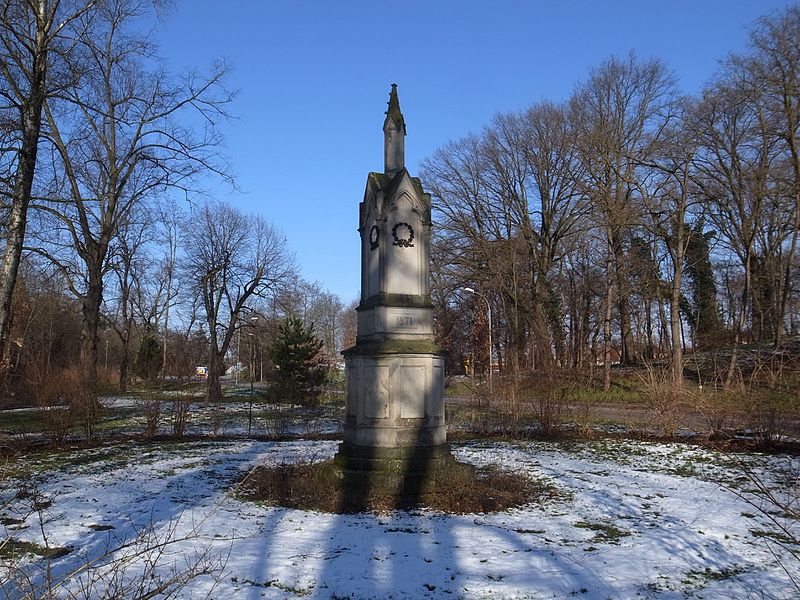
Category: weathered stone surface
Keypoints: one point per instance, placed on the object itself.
(402, 472)
(395, 372)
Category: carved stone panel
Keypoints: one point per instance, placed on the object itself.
(376, 398)
(409, 390)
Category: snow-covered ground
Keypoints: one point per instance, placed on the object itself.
(634, 519)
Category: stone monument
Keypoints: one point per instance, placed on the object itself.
(394, 430)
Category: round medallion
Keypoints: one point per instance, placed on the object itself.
(403, 235)
(374, 234)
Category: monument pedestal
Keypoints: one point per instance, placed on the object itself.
(395, 438)
(394, 399)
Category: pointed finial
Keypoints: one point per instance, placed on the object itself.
(394, 132)
(394, 110)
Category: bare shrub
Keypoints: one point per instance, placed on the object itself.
(778, 503)
(766, 415)
(666, 400)
(719, 409)
(278, 421)
(504, 404)
(140, 566)
(772, 399)
(545, 393)
(57, 421)
(180, 413)
(151, 408)
(478, 416)
(87, 411)
(143, 567)
(52, 410)
(215, 418)
(63, 403)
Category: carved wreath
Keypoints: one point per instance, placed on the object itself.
(373, 237)
(403, 235)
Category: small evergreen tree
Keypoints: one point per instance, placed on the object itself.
(148, 358)
(299, 368)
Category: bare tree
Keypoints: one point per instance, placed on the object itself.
(774, 64)
(231, 259)
(507, 201)
(556, 207)
(619, 113)
(170, 220)
(127, 263)
(732, 168)
(667, 201)
(117, 143)
(34, 35)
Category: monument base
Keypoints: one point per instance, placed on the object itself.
(402, 472)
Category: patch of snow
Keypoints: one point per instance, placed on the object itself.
(634, 519)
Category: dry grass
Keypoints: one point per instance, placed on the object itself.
(459, 490)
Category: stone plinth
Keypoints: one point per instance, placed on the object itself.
(394, 400)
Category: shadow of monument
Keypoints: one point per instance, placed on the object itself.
(395, 478)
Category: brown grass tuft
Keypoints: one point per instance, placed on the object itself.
(321, 487)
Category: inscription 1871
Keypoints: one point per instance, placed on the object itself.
(404, 321)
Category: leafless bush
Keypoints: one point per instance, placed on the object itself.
(63, 403)
(152, 415)
(87, 411)
(215, 418)
(56, 421)
(666, 400)
(52, 410)
(180, 413)
(546, 394)
(778, 503)
(476, 411)
(141, 566)
(718, 409)
(278, 421)
(772, 400)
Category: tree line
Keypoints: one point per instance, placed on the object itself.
(109, 241)
(629, 222)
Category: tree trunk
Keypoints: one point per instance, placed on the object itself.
(125, 360)
(91, 320)
(123, 375)
(23, 182)
(628, 354)
(787, 273)
(675, 318)
(739, 324)
(215, 370)
(541, 332)
(607, 322)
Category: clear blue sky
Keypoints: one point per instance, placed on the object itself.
(314, 78)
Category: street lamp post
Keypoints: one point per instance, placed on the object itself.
(252, 367)
(239, 350)
(252, 322)
(489, 311)
(238, 353)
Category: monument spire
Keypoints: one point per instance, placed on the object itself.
(394, 132)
